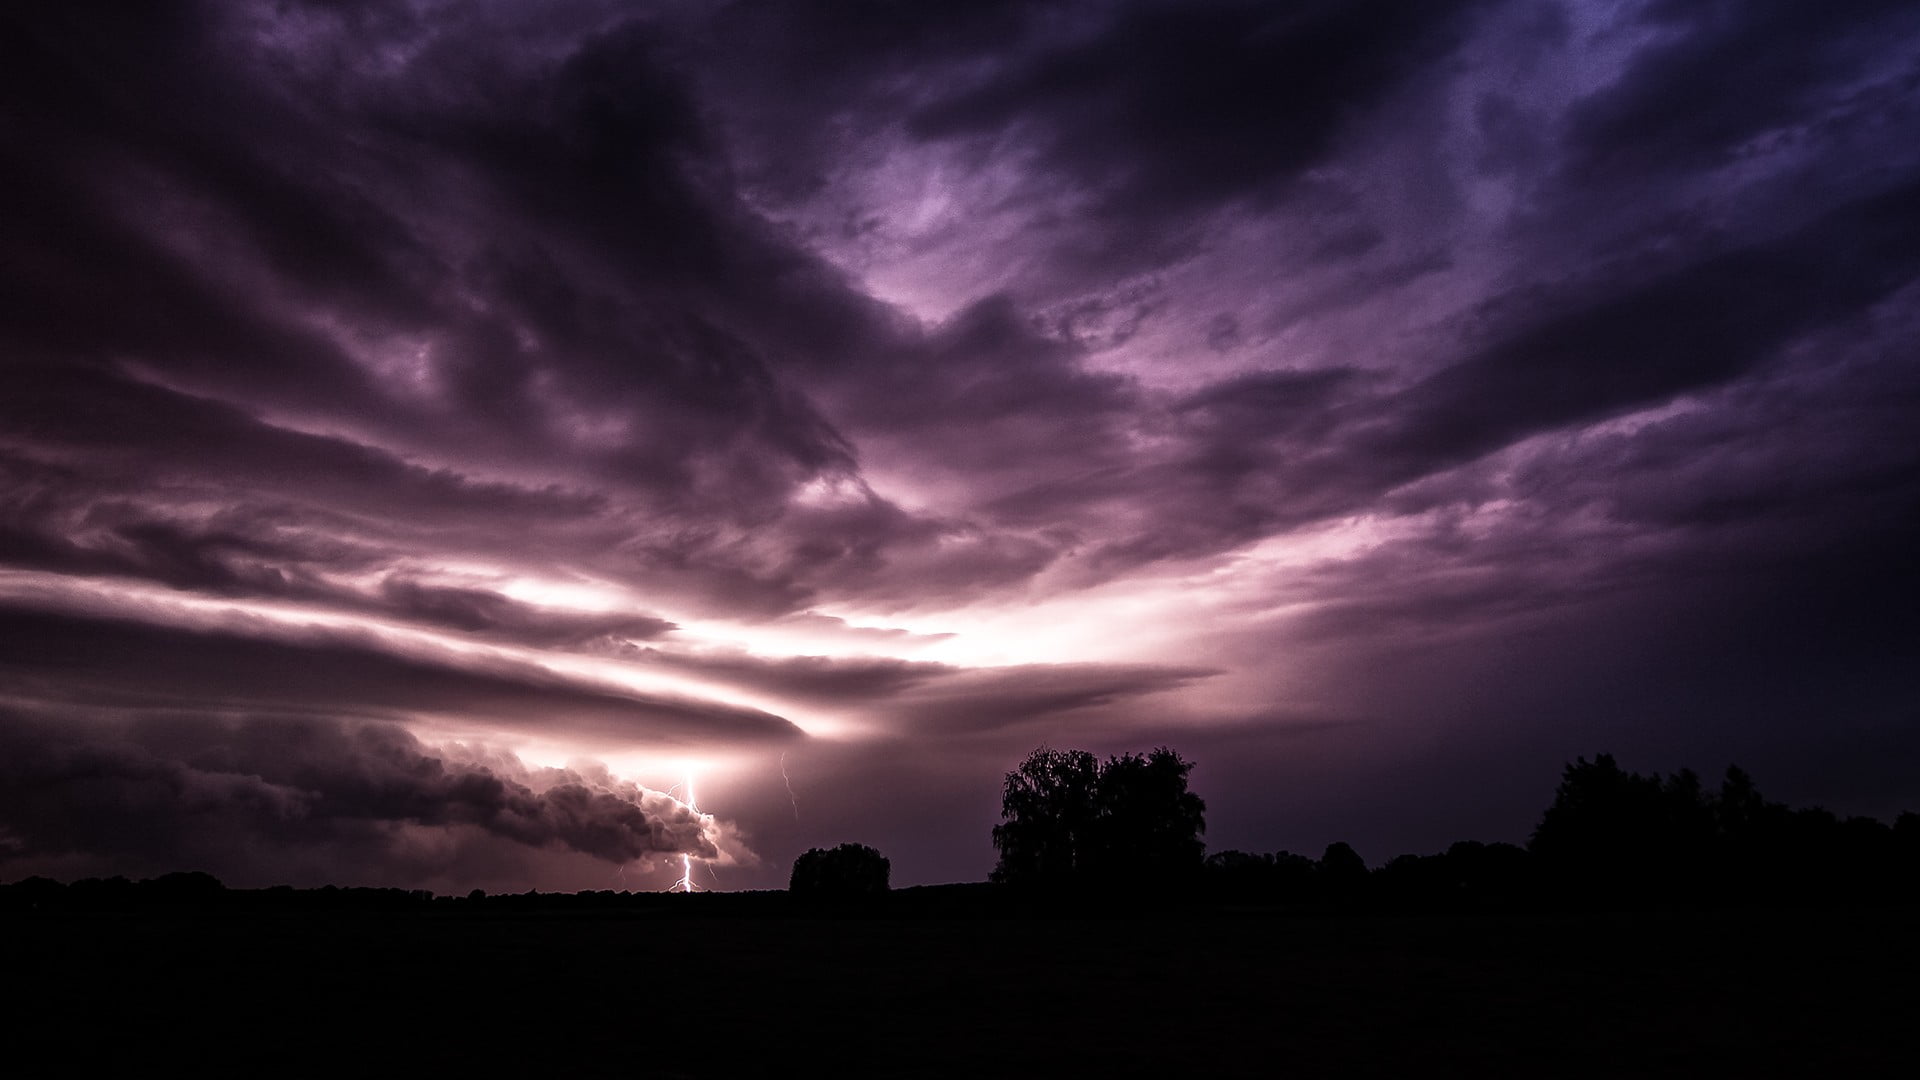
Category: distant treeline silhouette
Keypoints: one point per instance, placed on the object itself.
(1611, 839)
(201, 892)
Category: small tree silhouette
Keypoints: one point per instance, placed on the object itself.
(1342, 874)
(848, 870)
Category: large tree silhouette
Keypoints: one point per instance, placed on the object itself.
(1070, 819)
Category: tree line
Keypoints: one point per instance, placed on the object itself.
(1128, 828)
(1075, 825)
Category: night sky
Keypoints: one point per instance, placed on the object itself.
(431, 431)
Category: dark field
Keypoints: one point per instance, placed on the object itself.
(675, 993)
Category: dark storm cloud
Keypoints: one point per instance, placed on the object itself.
(588, 339)
(853, 681)
(1020, 696)
(50, 521)
(1698, 327)
(988, 371)
(1292, 404)
(483, 611)
(1119, 128)
(55, 518)
(990, 405)
(1268, 452)
(530, 330)
(1759, 483)
(597, 342)
(621, 314)
(1244, 461)
(1171, 108)
(130, 141)
(927, 699)
(114, 663)
(138, 436)
(220, 793)
(1725, 74)
(1812, 442)
(787, 67)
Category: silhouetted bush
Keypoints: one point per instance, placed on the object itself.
(848, 870)
(100, 894)
(1342, 875)
(1468, 876)
(1282, 878)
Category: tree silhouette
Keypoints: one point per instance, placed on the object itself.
(1612, 833)
(1342, 874)
(1619, 837)
(1048, 804)
(1147, 820)
(848, 870)
(1072, 820)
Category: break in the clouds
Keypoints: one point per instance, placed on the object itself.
(431, 431)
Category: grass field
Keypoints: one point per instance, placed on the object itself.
(660, 993)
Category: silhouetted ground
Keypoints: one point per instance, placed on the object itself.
(663, 990)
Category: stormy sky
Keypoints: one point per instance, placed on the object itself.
(432, 431)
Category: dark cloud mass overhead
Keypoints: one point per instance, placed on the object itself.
(437, 437)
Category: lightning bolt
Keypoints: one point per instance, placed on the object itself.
(686, 800)
(789, 782)
(685, 884)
